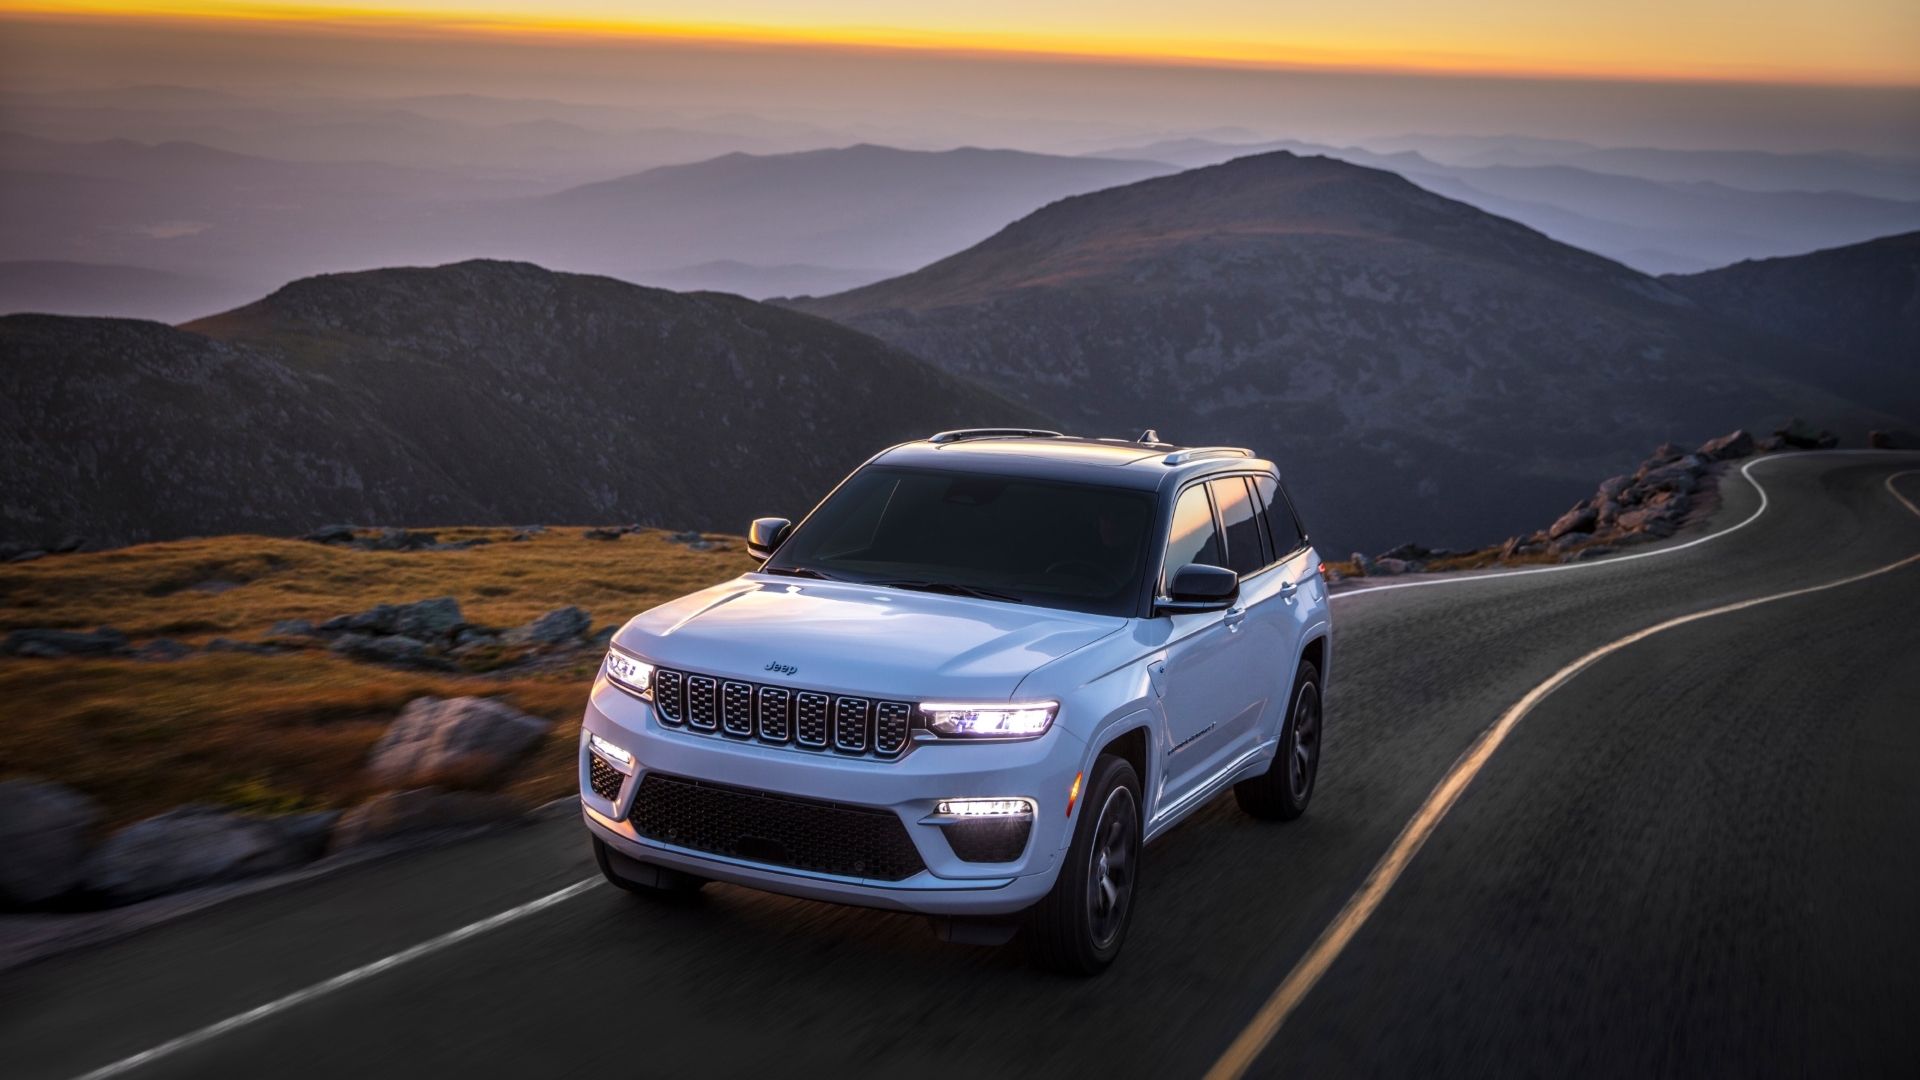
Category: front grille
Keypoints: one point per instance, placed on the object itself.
(988, 840)
(781, 715)
(603, 778)
(781, 830)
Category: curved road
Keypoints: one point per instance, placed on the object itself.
(1694, 856)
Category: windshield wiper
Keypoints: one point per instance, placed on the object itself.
(799, 571)
(951, 588)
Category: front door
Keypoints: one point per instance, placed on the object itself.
(1204, 679)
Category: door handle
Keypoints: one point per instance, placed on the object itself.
(1233, 616)
(1287, 590)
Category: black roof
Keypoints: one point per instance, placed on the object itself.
(1049, 456)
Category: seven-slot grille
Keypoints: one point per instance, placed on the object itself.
(781, 715)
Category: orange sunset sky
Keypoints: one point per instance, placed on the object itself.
(1852, 42)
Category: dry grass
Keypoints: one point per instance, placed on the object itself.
(291, 731)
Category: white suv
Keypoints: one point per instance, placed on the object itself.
(970, 684)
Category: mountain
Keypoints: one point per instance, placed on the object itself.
(1856, 308)
(859, 206)
(759, 282)
(1420, 368)
(480, 392)
(1686, 223)
(73, 288)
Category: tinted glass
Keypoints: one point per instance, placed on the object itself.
(1245, 551)
(1058, 545)
(1281, 525)
(1192, 539)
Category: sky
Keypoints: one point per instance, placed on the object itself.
(1062, 76)
(1847, 42)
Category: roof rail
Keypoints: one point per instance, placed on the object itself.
(1181, 457)
(992, 433)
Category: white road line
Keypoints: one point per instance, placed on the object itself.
(339, 982)
(1746, 473)
(1266, 1023)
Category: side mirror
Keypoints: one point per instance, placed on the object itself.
(765, 535)
(1199, 587)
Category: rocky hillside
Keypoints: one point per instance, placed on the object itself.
(1856, 308)
(475, 393)
(1414, 363)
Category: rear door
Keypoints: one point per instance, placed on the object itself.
(1266, 636)
(1286, 594)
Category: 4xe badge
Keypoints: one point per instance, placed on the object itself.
(784, 669)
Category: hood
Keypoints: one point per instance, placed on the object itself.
(850, 638)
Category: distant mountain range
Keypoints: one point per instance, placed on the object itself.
(1657, 211)
(73, 288)
(479, 392)
(1422, 368)
(1856, 310)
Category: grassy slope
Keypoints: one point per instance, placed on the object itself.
(291, 731)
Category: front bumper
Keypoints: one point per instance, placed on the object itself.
(1041, 769)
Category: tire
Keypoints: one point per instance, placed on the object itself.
(643, 879)
(1284, 790)
(1079, 927)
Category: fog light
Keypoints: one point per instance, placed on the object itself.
(609, 751)
(985, 808)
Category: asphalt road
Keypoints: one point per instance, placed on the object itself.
(1697, 857)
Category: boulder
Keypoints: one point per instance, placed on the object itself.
(1591, 551)
(227, 644)
(1391, 566)
(331, 534)
(1407, 552)
(1606, 514)
(1734, 444)
(163, 649)
(1678, 477)
(1612, 486)
(466, 740)
(602, 534)
(183, 848)
(1657, 516)
(427, 619)
(1803, 436)
(1580, 519)
(1362, 563)
(43, 832)
(398, 813)
(555, 627)
(52, 644)
(291, 628)
(1664, 453)
(389, 649)
(392, 539)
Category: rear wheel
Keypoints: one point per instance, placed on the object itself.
(1079, 927)
(1283, 791)
(644, 879)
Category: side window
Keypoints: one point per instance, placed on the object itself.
(1281, 525)
(1193, 538)
(1245, 549)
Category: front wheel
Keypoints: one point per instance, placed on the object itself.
(1283, 791)
(1078, 928)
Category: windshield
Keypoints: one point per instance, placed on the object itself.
(1028, 541)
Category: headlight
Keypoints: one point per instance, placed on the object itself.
(632, 675)
(989, 720)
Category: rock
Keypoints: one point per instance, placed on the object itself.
(28, 555)
(43, 832)
(52, 644)
(68, 545)
(163, 649)
(389, 649)
(392, 539)
(426, 619)
(1664, 453)
(469, 740)
(462, 545)
(1772, 443)
(1606, 514)
(1676, 477)
(1580, 519)
(602, 534)
(1391, 566)
(331, 534)
(555, 627)
(227, 644)
(603, 637)
(306, 833)
(1591, 551)
(1892, 440)
(398, 813)
(193, 845)
(1612, 486)
(291, 628)
(1361, 563)
(475, 635)
(683, 538)
(1734, 444)
(1407, 552)
(1803, 436)
(1658, 516)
